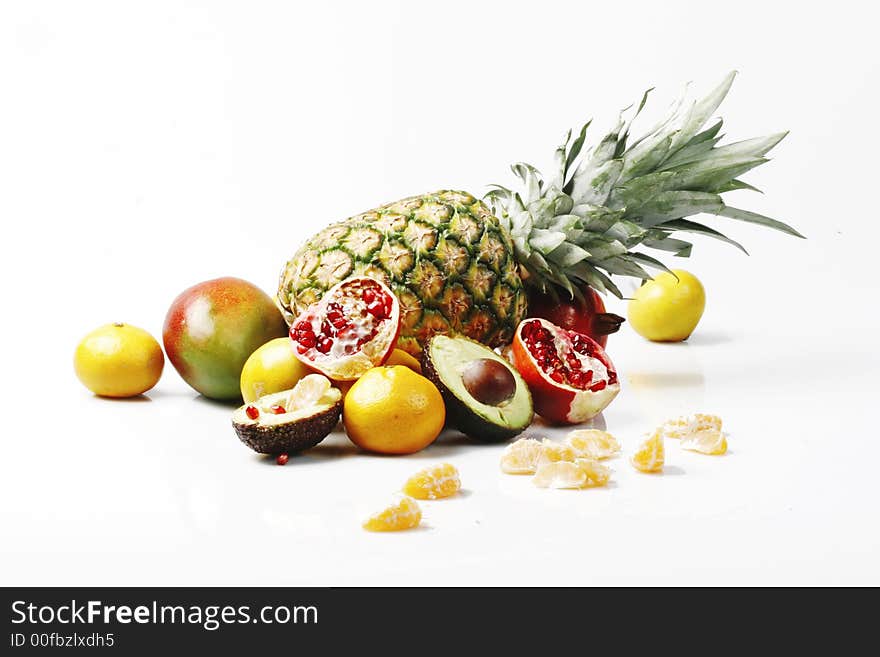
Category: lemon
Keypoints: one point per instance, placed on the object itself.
(118, 360)
(393, 410)
(668, 308)
(272, 368)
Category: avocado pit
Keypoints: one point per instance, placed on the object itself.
(486, 398)
(489, 381)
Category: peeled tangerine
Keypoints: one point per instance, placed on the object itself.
(650, 455)
(698, 433)
(581, 473)
(433, 482)
(402, 513)
(593, 444)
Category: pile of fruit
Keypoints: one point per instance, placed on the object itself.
(442, 310)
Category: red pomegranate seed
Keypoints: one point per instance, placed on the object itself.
(376, 308)
(336, 316)
(282, 459)
(557, 375)
(599, 386)
(368, 295)
(252, 412)
(278, 409)
(324, 344)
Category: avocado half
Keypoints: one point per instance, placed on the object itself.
(447, 362)
(290, 432)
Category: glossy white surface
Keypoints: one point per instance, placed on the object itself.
(144, 151)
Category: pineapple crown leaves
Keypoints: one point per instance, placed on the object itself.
(581, 224)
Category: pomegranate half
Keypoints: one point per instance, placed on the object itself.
(569, 374)
(353, 328)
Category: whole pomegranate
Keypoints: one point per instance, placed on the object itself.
(585, 315)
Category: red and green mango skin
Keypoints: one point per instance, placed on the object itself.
(212, 328)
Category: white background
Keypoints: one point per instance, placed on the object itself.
(147, 146)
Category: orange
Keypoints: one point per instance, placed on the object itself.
(400, 357)
(118, 360)
(393, 410)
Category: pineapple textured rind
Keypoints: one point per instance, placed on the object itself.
(445, 256)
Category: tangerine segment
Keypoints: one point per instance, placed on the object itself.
(710, 442)
(308, 391)
(593, 444)
(433, 482)
(402, 513)
(582, 473)
(559, 474)
(521, 457)
(596, 473)
(553, 452)
(650, 455)
(686, 425)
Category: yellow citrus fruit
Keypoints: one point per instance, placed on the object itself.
(400, 357)
(668, 308)
(118, 360)
(271, 368)
(393, 410)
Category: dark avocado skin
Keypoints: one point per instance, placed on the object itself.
(460, 416)
(289, 438)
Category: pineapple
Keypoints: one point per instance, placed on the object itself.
(460, 268)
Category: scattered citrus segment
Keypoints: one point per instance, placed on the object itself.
(596, 473)
(553, 452)
(402, 513)
(559, 474)
(433, 482)
(686, 425)
(582, 473)
(593, 444)
(521, 457)
(650, 455)
(710, 442)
